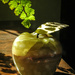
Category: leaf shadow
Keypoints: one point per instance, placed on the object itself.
(65, 71)
(6, 63)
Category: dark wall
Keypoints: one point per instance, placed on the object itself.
(67, 35)
(6, 14)
(45, 10)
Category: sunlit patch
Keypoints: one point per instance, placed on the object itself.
(52, 39)
(51, 27)
(46, 40)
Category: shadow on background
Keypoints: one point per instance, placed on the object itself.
(67, 37)
(14, 25)
(57, 73)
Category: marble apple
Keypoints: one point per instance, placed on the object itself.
(36, 53)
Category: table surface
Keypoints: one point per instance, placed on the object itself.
(6, 64)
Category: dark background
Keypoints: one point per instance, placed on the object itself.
(67, 35)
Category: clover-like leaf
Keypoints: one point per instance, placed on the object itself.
(28, 4)
(18, 10)
(31, 17)
(23, 15)
(26, 23)
(5, 1)
(24, 2)
(22, 8)
(18, 1)
(29, 11)
(12, 4)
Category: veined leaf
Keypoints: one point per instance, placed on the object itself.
(22, 8)
(5, 1)
(23, 15)
(29, 11)
(28, 4)
(12, 4)
(32, 11)
(26, 23)
(31, 17)
(24, 2)
(18, 10)
(18, 1)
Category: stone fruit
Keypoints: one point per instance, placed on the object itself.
(37, 53)
(36, 56)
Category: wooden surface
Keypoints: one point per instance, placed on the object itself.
(6, 64)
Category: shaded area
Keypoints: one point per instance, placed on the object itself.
(9, 71)
(58, 73)
(10, 32)
(67, 35)
(65, 71)
(6, 64)
(68, 71)
(14, 25)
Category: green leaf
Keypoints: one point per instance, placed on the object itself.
(29, 11)
(26, 23)
(18, 1)
(5, 1)
(12, 4)
(28, 4)
(31, 17)
(18, 10)
(24, 2)
(22, 8)
(23, 15)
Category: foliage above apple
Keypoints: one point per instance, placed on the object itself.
(23, 9)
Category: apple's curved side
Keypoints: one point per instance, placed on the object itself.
(36, 56)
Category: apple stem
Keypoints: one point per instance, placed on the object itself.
(37, 35)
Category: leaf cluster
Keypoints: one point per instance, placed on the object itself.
(22, 8)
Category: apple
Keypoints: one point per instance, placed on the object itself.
(36, 56)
